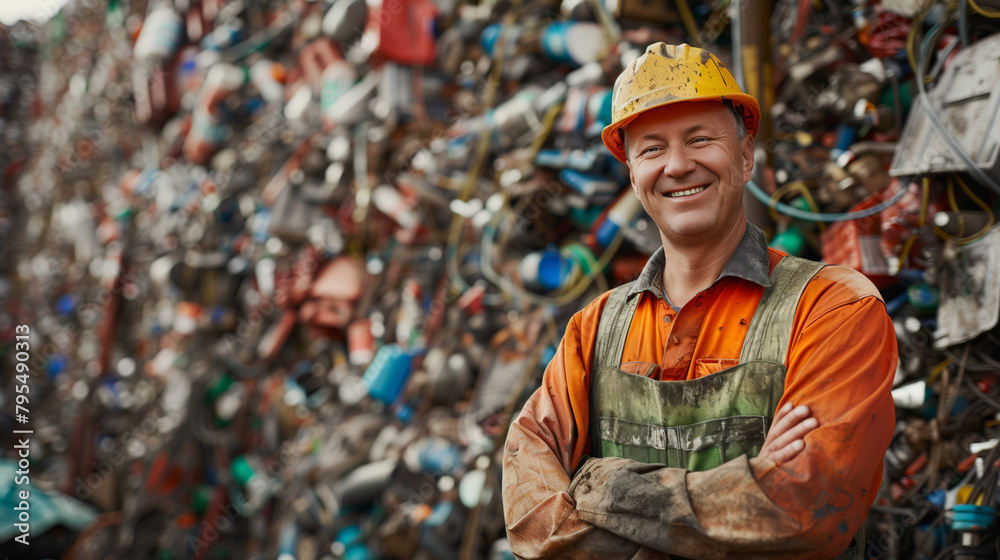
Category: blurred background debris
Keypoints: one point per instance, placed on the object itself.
(290, 268)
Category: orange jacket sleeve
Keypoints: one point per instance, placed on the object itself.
(841, 365)
(543, 447)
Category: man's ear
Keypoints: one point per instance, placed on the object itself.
(747, 150)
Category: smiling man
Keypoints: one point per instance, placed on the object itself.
(733, 401)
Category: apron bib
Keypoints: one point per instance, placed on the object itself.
(697, 424)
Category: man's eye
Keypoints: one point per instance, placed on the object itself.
(700, 139)
(648, 150)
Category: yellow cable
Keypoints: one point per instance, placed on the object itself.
(800, 186)
(503, 221)
(923, 211)
(715, 23)
(993, 14)
(961, 238)
(560, 298)
(811, 202)
(978, 202)
(609, 26)
(781, 191)
(914, 26)
(954, 208)
(772, 207)
(548, 121)
(938, 369)
(924, 197)
(904, 255)
(951, 195)
(688, 18)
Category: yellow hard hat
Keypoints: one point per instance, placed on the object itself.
(667, 74)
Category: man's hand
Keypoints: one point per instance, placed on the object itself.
(784, 439)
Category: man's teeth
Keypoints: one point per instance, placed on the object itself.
(687, 192)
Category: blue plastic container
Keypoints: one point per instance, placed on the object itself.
(969, 517)
(387, 374)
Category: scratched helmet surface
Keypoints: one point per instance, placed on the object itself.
(667, 74)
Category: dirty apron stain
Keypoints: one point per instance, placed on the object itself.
(697, 424)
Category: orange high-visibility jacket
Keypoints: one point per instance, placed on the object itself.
(841, 361)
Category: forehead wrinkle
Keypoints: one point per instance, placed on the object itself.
(658, 135)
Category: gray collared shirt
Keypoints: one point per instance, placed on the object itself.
(749, 262)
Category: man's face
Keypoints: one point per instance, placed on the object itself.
(688, 168)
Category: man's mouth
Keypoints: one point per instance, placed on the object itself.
(688, 192)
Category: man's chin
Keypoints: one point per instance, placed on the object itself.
(689, 229)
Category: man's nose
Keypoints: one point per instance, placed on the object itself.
(679, 163)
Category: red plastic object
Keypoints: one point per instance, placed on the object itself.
(916, 466)
(858, 243)
(333, 294)
(156, 96)
(360, 342)
(405, 31)
(986, 384)
(340, 278)
(472, 299)
(292, 285)
(886, 35)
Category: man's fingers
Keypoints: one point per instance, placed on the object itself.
(788, 420)
(787, 453)
(785, 438)
(797, 432)
(784, 410)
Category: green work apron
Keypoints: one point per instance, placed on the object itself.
(701, 423)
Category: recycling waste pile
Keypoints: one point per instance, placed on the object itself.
(277, 275)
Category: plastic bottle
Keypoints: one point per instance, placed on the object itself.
(598, 188)
(344, 19)
(223, 36)
(387, 374)
(268, 77)
(159, 37)
(620, 215)
(337, 79)
(574, 42)
(207, 131)
(547, 270)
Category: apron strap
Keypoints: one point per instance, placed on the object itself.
(771, 327)
(616, 318)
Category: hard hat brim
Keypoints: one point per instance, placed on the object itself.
(612, 137)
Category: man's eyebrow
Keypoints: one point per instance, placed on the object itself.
(695, 128)
(654, 135)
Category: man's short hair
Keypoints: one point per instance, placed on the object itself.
(741, 125)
